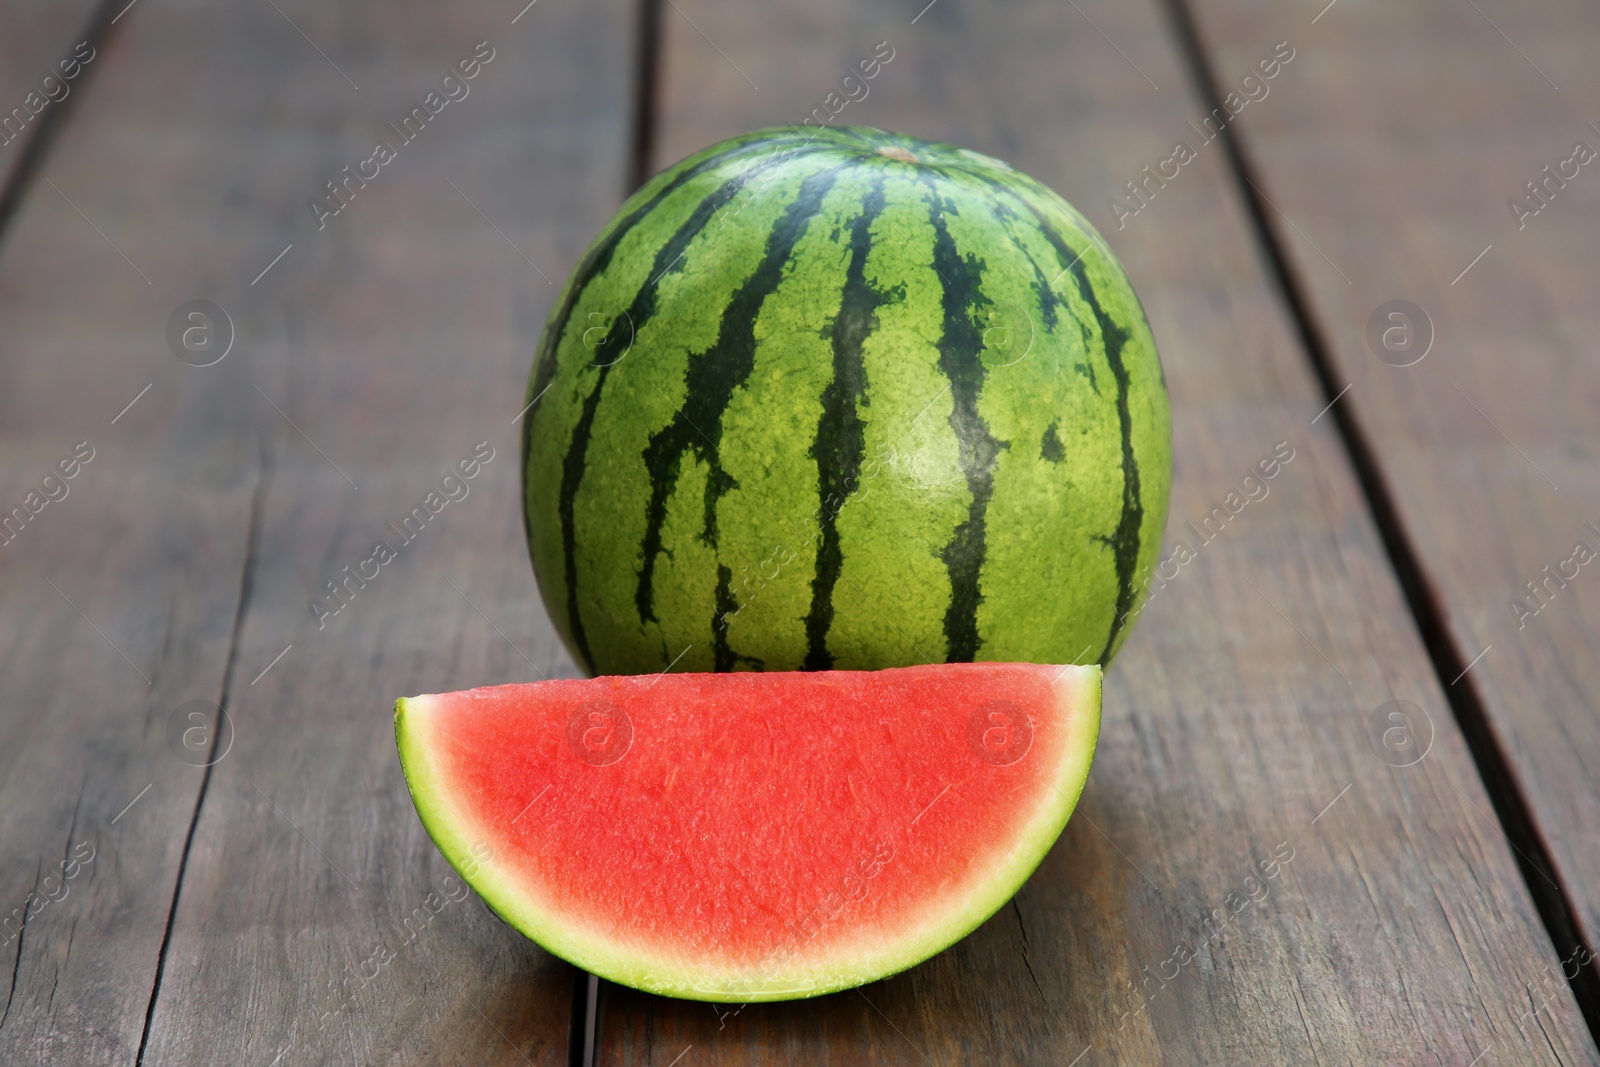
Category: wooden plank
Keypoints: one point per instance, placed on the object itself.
(1488, 444)
(45, 56)
(127, 510)
(396, 338)
(116, 616)
(1240, 717)
(316, 920)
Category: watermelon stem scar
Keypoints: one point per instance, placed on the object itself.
(752, 836)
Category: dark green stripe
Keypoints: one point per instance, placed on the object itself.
(841, 434)
(709, 382)
(598, 258)
(1046, 294)
(723, 657)
(1048, 300)
(1124, 541)
(640, 310)
(1051, 449)
(961, 360)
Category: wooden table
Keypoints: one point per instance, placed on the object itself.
(203, 826)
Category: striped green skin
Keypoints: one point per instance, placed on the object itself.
(807, 403)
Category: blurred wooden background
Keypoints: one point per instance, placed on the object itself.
(206, 846)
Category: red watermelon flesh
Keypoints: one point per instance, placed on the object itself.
(752, 836)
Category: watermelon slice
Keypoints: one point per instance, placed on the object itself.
(752, 836)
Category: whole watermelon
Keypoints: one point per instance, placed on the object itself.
(843, 398)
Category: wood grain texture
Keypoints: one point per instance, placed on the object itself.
(316, 922)
(1400, 168)
(401, 337)
(148, 545)
(34, 41)
(118, 599)
(1239, 719)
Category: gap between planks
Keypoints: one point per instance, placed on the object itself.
(42, 135)
(1554, 903)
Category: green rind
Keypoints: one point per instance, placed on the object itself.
(718, 548)
(500, 892)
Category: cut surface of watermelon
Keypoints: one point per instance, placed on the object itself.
(752, 836)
